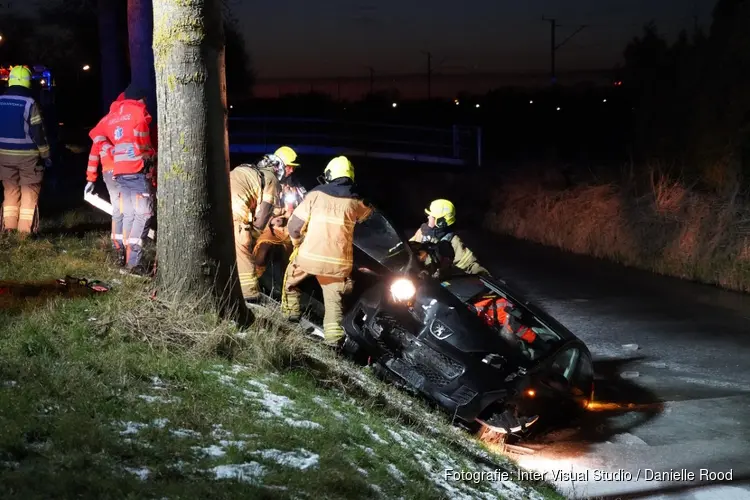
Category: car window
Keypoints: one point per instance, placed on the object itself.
(379, 239)
(565, 363)
(515, 324)
(583, 376)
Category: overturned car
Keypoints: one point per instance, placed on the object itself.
(468, 343)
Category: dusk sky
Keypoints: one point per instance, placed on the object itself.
(302, 38)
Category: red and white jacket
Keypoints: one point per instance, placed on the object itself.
(126, 128)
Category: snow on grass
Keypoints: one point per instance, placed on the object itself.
(336, 414)
(10, 383)
(211, 451)
(302, 424)
(248, 472)
(159, 399)
(374, 435)
(397, 437)
(300, 459)
(141, 472)
(131, 428)
(368, 450)
(397, 474)
(185, 433)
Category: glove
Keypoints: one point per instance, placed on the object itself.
(47, 162)
(89, 188)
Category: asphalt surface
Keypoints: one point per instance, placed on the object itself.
(677, 351)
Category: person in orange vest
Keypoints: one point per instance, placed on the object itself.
(101, 152)
(127, 128)
(327, 217)
(23, 143)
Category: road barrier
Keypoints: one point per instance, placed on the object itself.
(456, 145)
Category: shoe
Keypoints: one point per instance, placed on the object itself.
(139, 271)
(120, 258)
(293, 318)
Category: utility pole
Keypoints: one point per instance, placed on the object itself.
(429, 73)
(554, 46)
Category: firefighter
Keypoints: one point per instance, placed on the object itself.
(441, 216)
(101, 151)
(255, 191)
(327, 217)
(276, 234)
(23, 142)
(127, 128)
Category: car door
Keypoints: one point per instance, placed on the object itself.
(553, 383)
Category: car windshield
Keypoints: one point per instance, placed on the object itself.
(380, 240)
(515, 324)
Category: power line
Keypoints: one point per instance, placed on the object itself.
(554, 46)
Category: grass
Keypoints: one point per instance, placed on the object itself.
(125, 395)
(656, 223)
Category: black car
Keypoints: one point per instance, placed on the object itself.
(470, 344)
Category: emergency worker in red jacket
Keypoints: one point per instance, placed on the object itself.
(127, 128)
(102, 152)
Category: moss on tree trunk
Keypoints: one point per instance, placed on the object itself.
(195, 246)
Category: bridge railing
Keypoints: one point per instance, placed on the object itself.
(458, 145)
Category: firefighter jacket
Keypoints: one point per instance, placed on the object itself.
(250, 187)
(21, 127)
(327, 217)
(462, 257)
(126, 127)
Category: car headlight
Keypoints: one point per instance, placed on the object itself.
(403, 290)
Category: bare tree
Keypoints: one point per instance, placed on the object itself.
(195, 245)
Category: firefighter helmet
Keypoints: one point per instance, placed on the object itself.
(21, 76)
(442, 209)
(339, 167)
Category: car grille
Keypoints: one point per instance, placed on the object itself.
(463, 395)
(436, 367)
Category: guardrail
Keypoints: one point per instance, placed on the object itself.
(456, 145)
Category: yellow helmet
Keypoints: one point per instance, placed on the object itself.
(339, 167)
(287, 155)
(21, 76)
(442, 209)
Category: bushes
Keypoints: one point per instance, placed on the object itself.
(661, 225)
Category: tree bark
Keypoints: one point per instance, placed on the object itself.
(140, 38)
(196, 239)
(113, 77)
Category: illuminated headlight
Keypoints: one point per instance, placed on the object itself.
(290, 198)
(402, 290)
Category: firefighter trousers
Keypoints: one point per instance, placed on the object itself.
(137, 207)
(22, 181)
(333, 298)
(114, 198)
(243, 249)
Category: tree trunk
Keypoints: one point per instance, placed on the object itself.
(113, 77)
(196, 239)
(140, 37)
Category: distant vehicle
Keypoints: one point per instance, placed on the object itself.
(470, 344)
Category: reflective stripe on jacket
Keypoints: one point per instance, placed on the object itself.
(328, 225)
(100, 152)
(126, 127)
(251, 186)
(21, 126)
